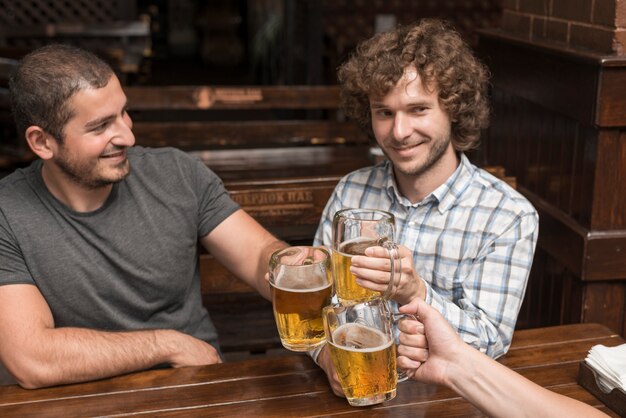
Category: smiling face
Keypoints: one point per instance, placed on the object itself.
(93, 151)
(413, 130)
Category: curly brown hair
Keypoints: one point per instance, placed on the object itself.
(443, 61)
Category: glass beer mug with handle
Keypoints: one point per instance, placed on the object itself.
(363, 350)
(354, 230)
(301, 285)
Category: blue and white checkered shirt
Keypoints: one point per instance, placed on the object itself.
(473, 241)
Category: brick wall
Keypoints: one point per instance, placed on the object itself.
(597, 25)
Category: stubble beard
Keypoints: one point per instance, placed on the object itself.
(86, 175)
(434, 156)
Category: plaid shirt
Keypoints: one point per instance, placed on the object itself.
(473, 241)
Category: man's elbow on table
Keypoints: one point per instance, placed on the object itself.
(28, 372)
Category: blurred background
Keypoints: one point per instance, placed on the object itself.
(224, 41)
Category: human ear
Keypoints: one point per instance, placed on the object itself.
(40, 142)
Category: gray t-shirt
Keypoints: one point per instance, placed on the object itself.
(131, 264)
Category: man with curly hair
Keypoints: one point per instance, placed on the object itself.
(466, 238)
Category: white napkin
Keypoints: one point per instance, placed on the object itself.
(610, 366)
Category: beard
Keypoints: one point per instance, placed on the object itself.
(435, 154)
(88, 174)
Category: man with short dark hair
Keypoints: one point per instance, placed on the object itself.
(98, 239)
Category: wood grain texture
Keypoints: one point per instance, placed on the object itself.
(558, 126)
(295, 386)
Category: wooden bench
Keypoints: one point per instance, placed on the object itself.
(210, 118)
(290, 209)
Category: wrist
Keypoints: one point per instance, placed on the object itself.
(462, 368)
(166, 345)
(418, 292)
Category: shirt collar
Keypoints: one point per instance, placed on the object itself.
(443, 196)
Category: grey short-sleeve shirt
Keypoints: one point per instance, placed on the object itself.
(131, 264)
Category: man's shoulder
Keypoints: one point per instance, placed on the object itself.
(15, 183)
(367, 176)
(502, 194)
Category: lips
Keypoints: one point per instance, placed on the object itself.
(406, 148)
(401, 149)
(115, 154)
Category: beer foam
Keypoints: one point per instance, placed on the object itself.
(357, 246)
(302, 283)
(360, 338)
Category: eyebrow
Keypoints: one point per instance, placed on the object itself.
(97, 122)
(381, 105)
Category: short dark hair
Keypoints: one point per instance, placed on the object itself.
(442, 60)
(46, 79)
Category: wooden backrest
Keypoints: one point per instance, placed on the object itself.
(289, 208)
(153, 98)
(206, 117)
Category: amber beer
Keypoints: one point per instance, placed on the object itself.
(301, 285)
(365, 360)
(353, 231)
(346, 287)
(298, 311)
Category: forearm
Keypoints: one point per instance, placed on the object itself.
(500, 392)
(67, 355)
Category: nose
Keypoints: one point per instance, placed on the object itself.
(401, 126)
(123, 135)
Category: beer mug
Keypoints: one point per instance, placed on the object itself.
(354, 230)
(363, 350)
(301, 285)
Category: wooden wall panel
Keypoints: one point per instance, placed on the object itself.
(612, 107)
(609, 209)
(559, 127)
(542, 305)
(552, 155)
(605, 303)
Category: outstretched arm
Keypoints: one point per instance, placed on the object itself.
(37, 354)
(244, 247)
(493, 388)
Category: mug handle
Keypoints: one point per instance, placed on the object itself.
(395, 267)
(397, 317)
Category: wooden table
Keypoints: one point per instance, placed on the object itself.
(294, 386)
